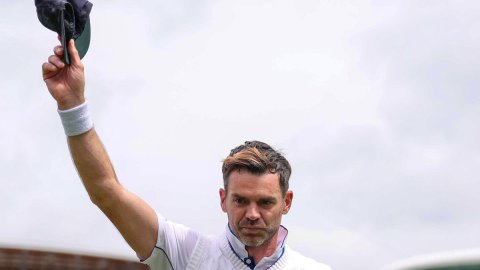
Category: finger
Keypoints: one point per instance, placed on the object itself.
(48, 67)
(74, 57)
(58, 50)
(57, 61)
(48, 70)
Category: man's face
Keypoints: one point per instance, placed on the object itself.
(254, 205)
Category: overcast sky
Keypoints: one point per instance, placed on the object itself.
(375, 103)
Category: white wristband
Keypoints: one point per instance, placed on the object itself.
(76, 120)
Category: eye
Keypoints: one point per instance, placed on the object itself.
(267, 202)
(239, 201)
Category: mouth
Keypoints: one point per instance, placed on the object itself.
(251, 229)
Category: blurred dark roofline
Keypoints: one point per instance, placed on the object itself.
(21, 258)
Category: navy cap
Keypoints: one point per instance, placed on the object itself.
(70, 19)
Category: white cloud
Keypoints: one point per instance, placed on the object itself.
(375, 105)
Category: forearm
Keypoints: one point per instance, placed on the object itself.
(94, 167)
(135, 219)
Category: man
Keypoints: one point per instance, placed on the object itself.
(255, 194)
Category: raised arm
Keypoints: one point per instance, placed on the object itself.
(134, 218)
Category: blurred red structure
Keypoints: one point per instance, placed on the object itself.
(24, 259)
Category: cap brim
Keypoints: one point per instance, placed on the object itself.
(63, 38)
(83, 41)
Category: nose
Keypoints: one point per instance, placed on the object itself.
(252, 212)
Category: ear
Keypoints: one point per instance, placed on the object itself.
(287, 202)
(223, 197)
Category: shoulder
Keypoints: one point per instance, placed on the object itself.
(174, 246)
(302, 262)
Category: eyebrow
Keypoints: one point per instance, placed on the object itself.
(268, 198)
(238, 195)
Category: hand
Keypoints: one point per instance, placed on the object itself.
(66, 83)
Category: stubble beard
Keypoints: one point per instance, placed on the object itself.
(264, 236)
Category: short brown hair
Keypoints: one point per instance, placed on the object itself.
(258, 158)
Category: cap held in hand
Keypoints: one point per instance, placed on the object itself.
(70, 19)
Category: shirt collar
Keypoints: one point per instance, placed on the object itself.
(241, 250)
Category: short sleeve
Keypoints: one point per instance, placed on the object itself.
(175, 245)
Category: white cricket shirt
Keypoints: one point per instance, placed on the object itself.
(179, 247)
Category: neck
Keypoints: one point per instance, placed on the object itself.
(264, 250)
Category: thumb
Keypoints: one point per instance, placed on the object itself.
(74, 57)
